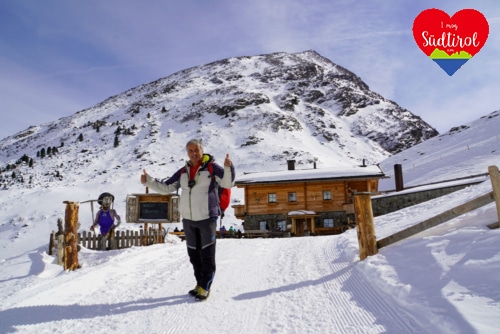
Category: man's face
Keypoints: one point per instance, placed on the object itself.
(195, 153)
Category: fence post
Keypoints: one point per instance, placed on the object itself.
(60, 249)
(85, 239)
(495, 184)
(52, 242)
(136, 240)
(112, 239)
(70, 236)
(365, 225)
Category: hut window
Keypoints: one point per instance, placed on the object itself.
(271, 198)
(292, 197)
(328, 222)
(327, 195)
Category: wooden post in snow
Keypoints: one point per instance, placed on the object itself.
(71, 236)
(60, 249)
(146, 230)
(495, 183)
(52, 242)
(365, 225)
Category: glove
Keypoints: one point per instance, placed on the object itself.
(92, 228)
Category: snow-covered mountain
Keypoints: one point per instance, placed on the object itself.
(263, 110)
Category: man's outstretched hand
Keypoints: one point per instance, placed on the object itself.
(227, 161)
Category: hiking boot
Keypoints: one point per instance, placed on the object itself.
(194, 292)
(202, 294)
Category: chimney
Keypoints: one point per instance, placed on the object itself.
(314, 165)
(398, 174)
(291, 164)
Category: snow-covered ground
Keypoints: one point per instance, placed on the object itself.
(443, 280)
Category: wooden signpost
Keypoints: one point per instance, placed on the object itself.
(71, 236)
(365, 225)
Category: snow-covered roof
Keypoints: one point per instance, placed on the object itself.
(437, 185)
(330, 173)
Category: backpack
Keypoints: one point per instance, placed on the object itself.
(224, 194)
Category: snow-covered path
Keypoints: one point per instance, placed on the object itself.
(264, 290)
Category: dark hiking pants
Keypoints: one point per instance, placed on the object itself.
(200, 242)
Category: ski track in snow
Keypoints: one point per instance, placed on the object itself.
(323, 281)
(376, 315)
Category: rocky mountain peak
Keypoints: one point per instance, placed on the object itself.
(265, 109)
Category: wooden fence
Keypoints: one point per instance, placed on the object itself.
(127, 239)
(368, 245)
(120, 239)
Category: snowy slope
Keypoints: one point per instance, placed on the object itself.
(464, 151)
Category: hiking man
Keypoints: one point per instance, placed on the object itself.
(199, 207)
(105, 218)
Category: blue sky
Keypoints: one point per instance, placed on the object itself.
(59, 57)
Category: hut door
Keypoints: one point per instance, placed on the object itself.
(300, 226)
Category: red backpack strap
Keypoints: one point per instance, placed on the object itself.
(224, 194)
(211, 170)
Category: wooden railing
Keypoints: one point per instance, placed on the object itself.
(368, 245)
(120, 239)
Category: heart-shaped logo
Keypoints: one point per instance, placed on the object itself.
(450, 41)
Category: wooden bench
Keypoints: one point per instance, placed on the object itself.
(227, 234)
(181, 235)
(328, 230)
(256, 234)
(280, 234)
